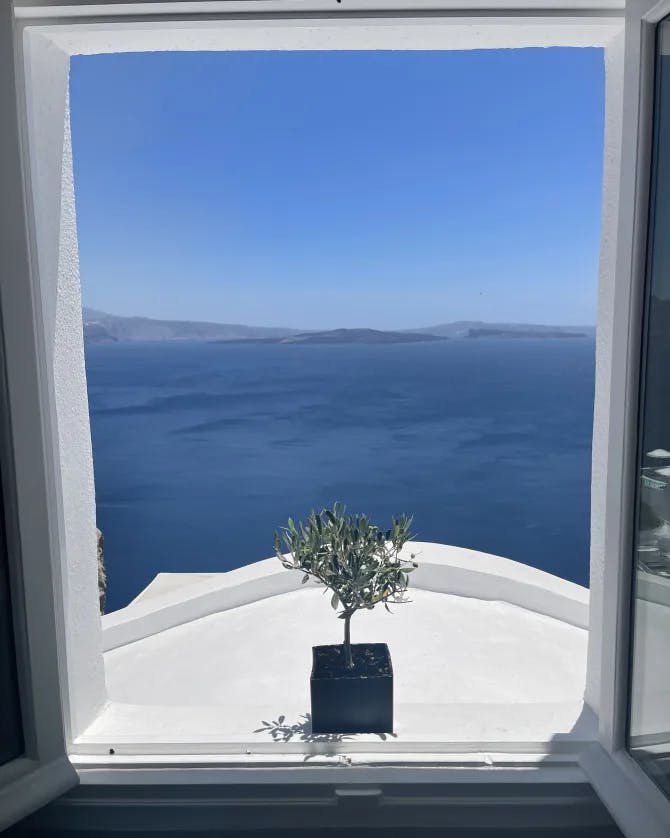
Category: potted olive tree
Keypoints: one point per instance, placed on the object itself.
(351, 684)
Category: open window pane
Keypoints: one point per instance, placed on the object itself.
(649, 726)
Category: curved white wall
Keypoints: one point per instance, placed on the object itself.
(442, 568)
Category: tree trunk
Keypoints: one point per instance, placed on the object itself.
(347, 642)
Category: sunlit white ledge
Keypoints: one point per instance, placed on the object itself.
(490, 655)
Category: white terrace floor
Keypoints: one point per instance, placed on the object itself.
(489, 654)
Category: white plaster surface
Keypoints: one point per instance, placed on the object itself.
(173, 599)
(446, 649)
(165, 583)
(359, 33)
(65, 401)
(468, 670)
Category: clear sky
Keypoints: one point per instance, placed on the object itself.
(326, 189)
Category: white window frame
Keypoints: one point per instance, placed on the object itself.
(638, 805)
(41, 298)
(44, 770)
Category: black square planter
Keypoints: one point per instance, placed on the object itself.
(358, 700)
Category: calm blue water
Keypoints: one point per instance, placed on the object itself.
(202, 450)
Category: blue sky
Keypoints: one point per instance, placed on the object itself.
(326, 189)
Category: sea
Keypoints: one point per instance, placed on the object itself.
(202, 450)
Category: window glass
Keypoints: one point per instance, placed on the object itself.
(649, 723)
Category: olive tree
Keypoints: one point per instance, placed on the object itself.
(359, 562)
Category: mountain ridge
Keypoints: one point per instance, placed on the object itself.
(331, 336)
(100, 326)
(462, 328)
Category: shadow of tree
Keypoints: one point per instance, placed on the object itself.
(280, 730)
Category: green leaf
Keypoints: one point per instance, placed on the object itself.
(355, 560)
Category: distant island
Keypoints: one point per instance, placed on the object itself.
(522, 333)
(100, 327)
(346, 336)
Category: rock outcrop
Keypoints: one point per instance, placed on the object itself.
(102, 576)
